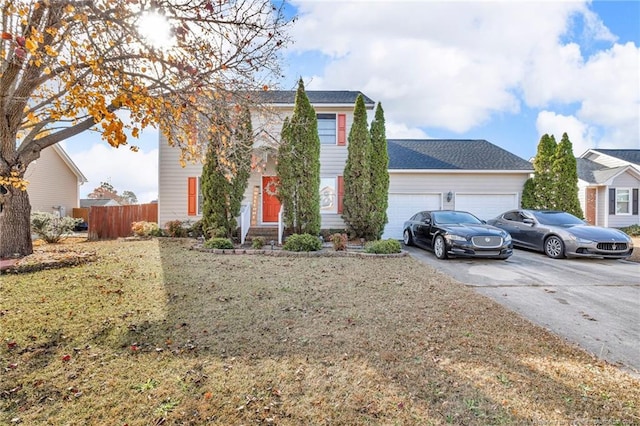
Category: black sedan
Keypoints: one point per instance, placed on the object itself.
(559, 234)
(456, 233)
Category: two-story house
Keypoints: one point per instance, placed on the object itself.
(472, 175)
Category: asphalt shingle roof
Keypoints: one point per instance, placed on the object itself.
(456, 154)
(316, 97)
(586, 168)
(629, 155)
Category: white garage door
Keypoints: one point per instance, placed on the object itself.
(486, 206)
(403, 206)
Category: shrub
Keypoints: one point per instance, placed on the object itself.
(339, 241)
(218, 243)
(195, 229)
(302, 242)
(145, 229)
(175, 228)
(52, 228)
(257, 243)
(633, 230)
(216, 232)
(383, 247)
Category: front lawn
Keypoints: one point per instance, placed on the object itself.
(155, 333)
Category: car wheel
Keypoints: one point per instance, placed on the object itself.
(554, 247)
(440, 248)
(407, 238)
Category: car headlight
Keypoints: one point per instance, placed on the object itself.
(507, 236)
(453, 237)
(583, 240)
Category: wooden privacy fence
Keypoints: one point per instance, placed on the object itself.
(115, 221)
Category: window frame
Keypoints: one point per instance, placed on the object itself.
(335, 127)
(334, 186)
(628, 201)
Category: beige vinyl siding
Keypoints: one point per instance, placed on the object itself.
(448, 180)
(52, 183)
(172, 184)
(607, 160)
(172, 179)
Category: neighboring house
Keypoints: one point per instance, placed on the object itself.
(608, 182)
(54, 182)
(473, 175)
(98, 202)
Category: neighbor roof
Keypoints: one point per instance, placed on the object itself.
(628, 155)
(596, 173)
(451, 154)
(316, 97)
(97, 202)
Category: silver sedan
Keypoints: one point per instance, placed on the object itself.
(559, 234)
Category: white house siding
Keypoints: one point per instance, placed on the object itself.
(172, 180)
(445, 181)
(625, 180)
(52, 184)
(602, 206)
(608, 161)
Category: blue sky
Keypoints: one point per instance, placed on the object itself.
(504, 71)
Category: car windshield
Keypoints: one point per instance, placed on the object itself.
(454, 217)
(557, 218)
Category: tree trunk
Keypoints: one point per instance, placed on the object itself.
(15, 224)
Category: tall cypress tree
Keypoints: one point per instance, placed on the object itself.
(223, 185)
(298, 167)
(357, 175)
(544, 178)
(565, 171)
(379, 174)
(529, 194)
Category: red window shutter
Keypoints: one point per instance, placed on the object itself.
(192, 196)
(342, 129)
(340, 193)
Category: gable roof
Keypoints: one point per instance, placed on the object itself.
(596, 173)
(628, 155)
(98, 202)
(316, 97)
(452, 154)
(69, 162)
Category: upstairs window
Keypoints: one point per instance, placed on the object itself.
(332, 129)
(327, 128)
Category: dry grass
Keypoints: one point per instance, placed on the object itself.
(154, 333)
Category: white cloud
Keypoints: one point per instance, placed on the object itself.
(122, 168)
(458, 65)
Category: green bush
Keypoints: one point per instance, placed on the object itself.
(52, 228)
(257, 243)
(633, 230)
(195, 229)
(383, 247)
(218, 243)
(302, 242)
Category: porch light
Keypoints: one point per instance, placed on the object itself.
(449, 196)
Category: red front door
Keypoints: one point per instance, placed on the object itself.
(270, 203)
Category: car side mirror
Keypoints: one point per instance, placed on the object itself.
(528, 221)
(427, 221)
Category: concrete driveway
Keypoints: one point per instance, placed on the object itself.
(594, 303)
